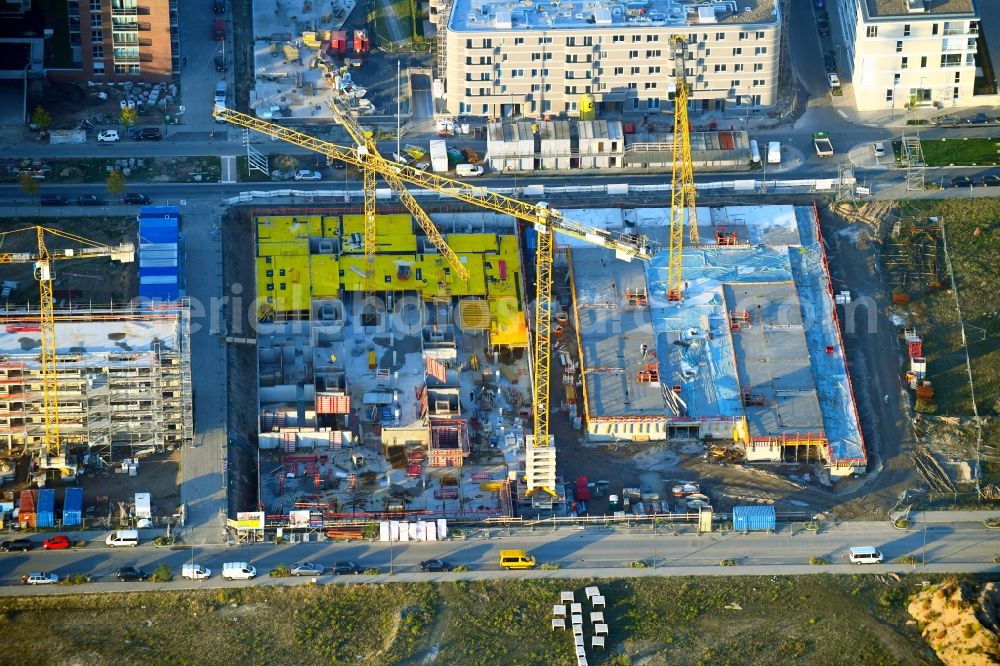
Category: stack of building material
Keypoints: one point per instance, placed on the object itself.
(26, 516)
(158, 269)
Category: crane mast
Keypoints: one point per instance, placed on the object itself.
(682, 193)
(545, 220)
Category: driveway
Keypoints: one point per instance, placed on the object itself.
(198, 75)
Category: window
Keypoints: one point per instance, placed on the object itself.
(97, 50)
(872, 31)
(904, 62)
(708, 52)
(633, 85)
(951, 59)
(633, 54)
(570, 90)
(281, 285)
(516, 73)
(634, 70)
(720, 36)
(619, 70)
(974, 27)
(95, 5)
(737, 51)
(518, 41)
(653, 54)
(958, 77)
(735, 83)
(758, 67)
(267, 260)
(654, 70)
(650, 85)
(96, 35)
(98, 67)
(468, 92)
(744, 35)
(934, 28)
(895, 78)
(95, 21)
(954, 92)
(617, 38)
(544, 40)
(571, 41)
(899, 46)
(486, 110)
(468, 43)
(760, 34)
(281, 272)
(652, 38)
(757, 83)
(546, 105)
(906, 30)
(720, 68)
(588, 41)
(738, 67)
(636, 38)
(923, 61)
(760, 50)
(536, 56)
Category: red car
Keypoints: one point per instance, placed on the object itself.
(56, 543)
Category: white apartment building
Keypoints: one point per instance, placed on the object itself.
(542, 57)
(919, 51)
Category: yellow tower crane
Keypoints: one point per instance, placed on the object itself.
(545, 220)
(682, 193)
(42, 260)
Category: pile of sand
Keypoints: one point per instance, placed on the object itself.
(959, 622)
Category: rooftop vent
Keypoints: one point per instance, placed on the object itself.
(503, 20)
(706, 15)
(916, 6)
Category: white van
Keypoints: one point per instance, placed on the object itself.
(754, 152)
(123, 538)
(774, 152)
(220, 92)
(865, 555)
(238, 571)
(195, 572)
(465, 170)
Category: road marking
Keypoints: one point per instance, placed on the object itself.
(228, 169)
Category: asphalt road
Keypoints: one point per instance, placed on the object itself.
(595, 551)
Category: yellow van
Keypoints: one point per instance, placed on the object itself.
(516, 559)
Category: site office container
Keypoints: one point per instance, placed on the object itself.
(46, 511)
(26, 516)
(754, 519)
(73, 507)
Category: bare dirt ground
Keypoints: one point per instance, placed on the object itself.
(79, 282)
(159, 475)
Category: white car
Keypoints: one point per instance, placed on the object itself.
(40, 578)
(879, 149)
(108, 136)
(306, 174)
(833, 79)
(402, 158)
(422, 166)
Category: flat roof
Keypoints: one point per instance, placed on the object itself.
(772, 360)
(899, 8)
(616, 339)
(95, 337)
(516, 15)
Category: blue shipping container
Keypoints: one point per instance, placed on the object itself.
(46, 507)
(753, 518)
(73, 507)
(158, 211)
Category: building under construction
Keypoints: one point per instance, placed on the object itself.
(751, 359)
(123, 380)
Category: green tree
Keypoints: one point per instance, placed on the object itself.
(29, 185)
(115, 183)
(40, 118)
(129, 117)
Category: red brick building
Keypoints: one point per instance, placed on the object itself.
(123, 40)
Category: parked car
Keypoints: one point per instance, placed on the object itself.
(946, 121)
(89, 200)
(338, 164)
(126, 574)
(402, 158)
(879, 149)
(961, 181)
(134, 198)
(220, 62)
(979, 119)
(990, 180)
(823, 26)
(422, 166)
(833, 80)
(308, 174)
(147, 134)
(830, 61)
(307, 569)
(58, 542)
(22, 545)
(40, 578)
(435, 566)
(219, 6)
(345, 567)
(54, 200)
(195, 572)
(108, 136)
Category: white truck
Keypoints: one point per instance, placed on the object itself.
(238, 571)
(822, 144)
(774, 152)
(439, 156)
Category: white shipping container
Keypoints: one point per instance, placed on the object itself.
(442, 528)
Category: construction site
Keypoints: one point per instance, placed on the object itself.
(418, 365)
(89, 392)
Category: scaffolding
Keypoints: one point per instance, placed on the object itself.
(113, 396)
(911, 154)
